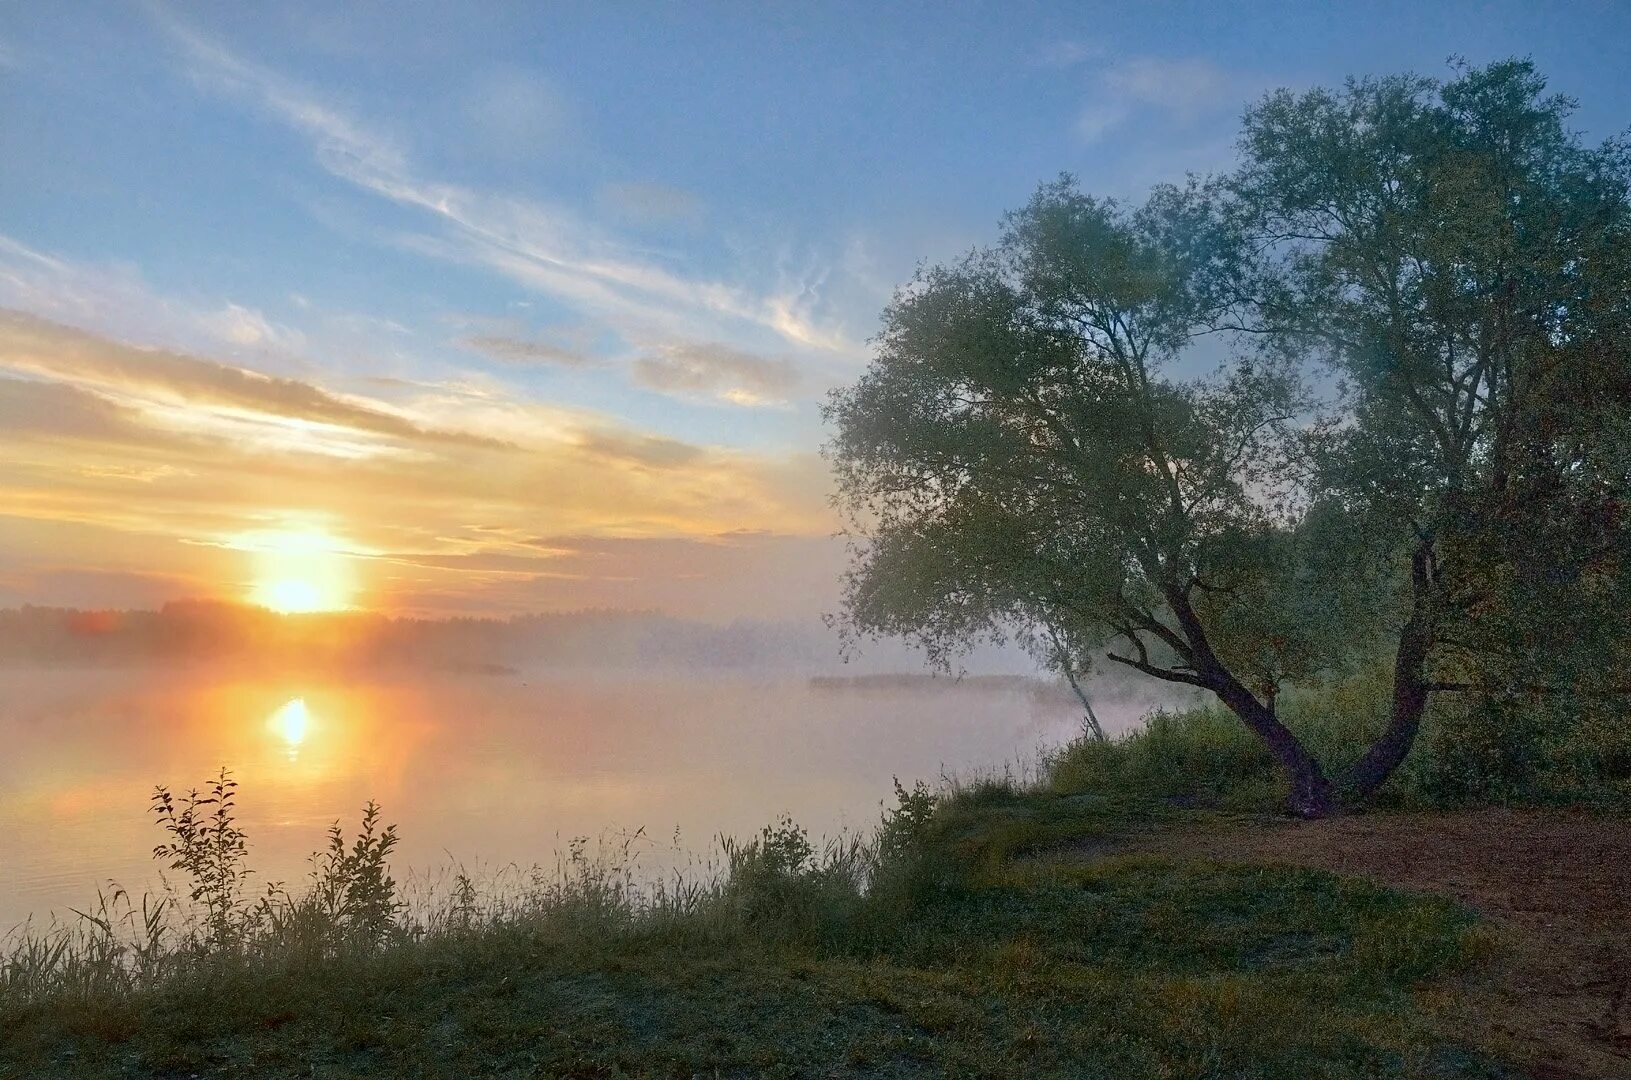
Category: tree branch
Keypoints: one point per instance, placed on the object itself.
(1166, 674)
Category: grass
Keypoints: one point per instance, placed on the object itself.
(1546, 750)
(966, 937)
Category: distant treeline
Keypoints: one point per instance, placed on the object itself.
(194, 631)
(1046, 687)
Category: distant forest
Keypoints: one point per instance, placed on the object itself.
(194, 631)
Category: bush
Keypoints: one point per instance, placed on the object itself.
(1552, 749)
(778, 883)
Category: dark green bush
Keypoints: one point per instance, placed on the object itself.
(1550, 749)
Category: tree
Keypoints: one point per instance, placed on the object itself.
(1026, 453)
(1461, 259)
(1018, 455)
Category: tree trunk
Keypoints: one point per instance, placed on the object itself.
(1091, 721)
(1410, 690)
(1312, 794)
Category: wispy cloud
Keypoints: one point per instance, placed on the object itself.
(194, 393)
(130, 453)
(542, 246)
(116, 296)
(718, 372)
(526, 351)
(1182, 89)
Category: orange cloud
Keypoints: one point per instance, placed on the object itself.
(147, 463)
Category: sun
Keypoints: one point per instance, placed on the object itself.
(299, 571)
(291, 596)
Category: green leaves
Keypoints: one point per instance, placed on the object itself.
(1016, 456)
(1028, 451)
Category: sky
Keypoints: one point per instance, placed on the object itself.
(440, 308)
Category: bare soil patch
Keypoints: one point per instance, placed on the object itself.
(1557, 882)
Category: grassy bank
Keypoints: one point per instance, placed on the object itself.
(989, 928)
(1549, 750)
(968, 936)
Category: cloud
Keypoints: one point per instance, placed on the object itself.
(193, 393)
(726, 575)
(1183, 89)
(716, 371)
(245, 326)
(542, 246)
(123, 458)
(104, 296)
(30, 407)
(1180, 86)
(524, 351)
(649, 451)
(1096, 120)
(651, 204)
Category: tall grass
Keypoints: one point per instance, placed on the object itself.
(963, 936)
(777, 885)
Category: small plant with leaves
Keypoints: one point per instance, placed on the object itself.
(906, 825)
(353, 886)
(463, 912)
(782, 883)
(207, 845)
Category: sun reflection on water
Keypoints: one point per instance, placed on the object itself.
(291, 722)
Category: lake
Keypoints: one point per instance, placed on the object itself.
(481, 770)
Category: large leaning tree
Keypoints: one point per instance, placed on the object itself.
(1411, 301)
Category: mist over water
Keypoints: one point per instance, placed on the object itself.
(484, 770)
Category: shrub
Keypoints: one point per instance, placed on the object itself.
(354, 888)
(207, 845)
(778, 881)
(1531, 749)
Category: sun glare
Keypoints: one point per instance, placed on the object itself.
(299, 571)
(290, 722)
(291, 597)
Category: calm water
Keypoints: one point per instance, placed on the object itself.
(483, 770)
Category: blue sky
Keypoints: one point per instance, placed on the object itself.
(633, 243)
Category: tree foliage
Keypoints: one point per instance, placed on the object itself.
(1415, 441)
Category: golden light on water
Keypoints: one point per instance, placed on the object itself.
(290, 722)
(299, 570)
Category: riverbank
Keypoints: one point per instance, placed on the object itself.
(1002, 932)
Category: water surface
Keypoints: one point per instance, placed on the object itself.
(484, 770)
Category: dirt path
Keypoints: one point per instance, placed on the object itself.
(1558, 881)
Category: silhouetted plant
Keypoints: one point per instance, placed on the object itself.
(907, 825)
(207, 845)
(463, 913)
(354, 886)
